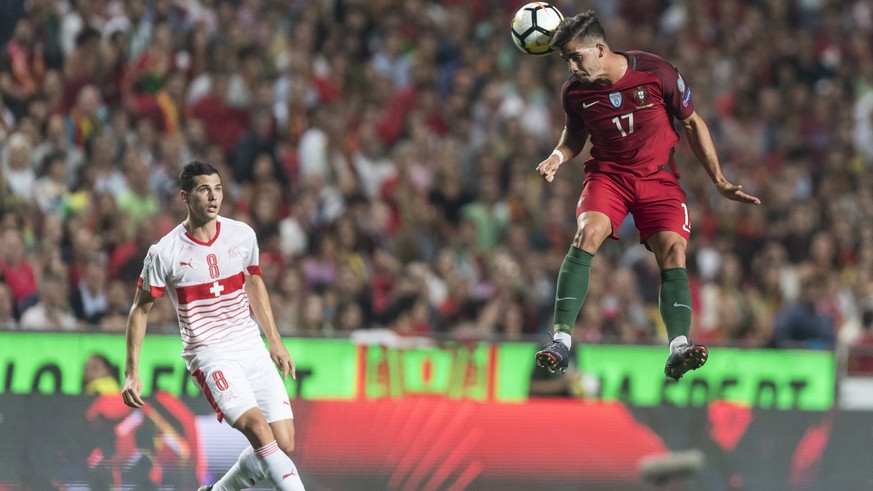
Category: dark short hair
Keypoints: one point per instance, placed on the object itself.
(580, 26)
(193, 169)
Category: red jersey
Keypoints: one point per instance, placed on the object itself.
(631, 121)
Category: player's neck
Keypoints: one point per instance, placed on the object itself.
(616, 67)
(202, 231)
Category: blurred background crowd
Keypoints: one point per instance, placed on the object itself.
(384, 152)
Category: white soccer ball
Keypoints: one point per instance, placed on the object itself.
(533, 25)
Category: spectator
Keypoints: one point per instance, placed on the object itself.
(85, 118)
(117, 296)
(258, 139)
(56, 143)
(22, 68)
(147, 73)
(88, 297)
(241, 86)
(800, 324)
(50, 190)
(18, 273)
(489, 214)
(18, 170)
(408, 316)
(863, 136)
(124, 260)
(312, 320)
(350, 317)
(224, 123)
(139, 32)
(137, 200)
(52, 311)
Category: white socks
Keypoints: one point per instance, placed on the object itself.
(254, 465)
(244, 474)
(279, 469)
(563, 337)
(677, 342)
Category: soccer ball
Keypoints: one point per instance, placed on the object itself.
(533, 25)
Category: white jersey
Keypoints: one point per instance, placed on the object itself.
(206, 282)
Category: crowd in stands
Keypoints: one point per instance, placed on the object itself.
(385, 152)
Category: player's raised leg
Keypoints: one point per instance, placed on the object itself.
(674, 302)
(572, 287)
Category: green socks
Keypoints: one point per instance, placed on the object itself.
(674, 298)
(572, 288)
(674, 302)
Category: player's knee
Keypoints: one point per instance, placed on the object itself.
(287, 446)
(674, 256)
(285, 437)
(257, 431)
(589, 236)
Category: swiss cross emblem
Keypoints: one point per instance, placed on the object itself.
(641, 95)
(216, 289)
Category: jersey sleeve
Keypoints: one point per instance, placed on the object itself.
(154, 274)
(253, 262)
(573, 121)
(677, 92)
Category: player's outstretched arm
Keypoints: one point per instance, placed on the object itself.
(137, 321)
(704, 149)
(569, 146)
(259, 300)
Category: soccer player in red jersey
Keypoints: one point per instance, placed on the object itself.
(208, 266)
(626, 103)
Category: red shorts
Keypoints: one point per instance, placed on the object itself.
(657, 202)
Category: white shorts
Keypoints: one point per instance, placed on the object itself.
(236, 381)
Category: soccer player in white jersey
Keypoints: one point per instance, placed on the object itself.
(208, 266)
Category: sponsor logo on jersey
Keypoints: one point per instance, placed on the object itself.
(615, 99)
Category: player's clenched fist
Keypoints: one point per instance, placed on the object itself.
(131, 392)
(549, 167)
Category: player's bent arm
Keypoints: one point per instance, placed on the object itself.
(569, 145)
(137, 321)
(259, 300)
(703, 147)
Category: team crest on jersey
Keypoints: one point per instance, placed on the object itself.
(234, 252)
(641, 96)
(615, 99)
